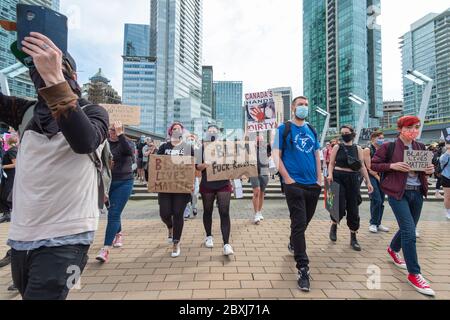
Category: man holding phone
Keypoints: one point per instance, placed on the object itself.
(56, 203)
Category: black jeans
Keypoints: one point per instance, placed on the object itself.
(302, 203)
(48, 273)
(223, 201)
(171, 210)
(349, 195)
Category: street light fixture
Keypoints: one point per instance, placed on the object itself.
(10, 72)
(364, 107)
(326, 126)
(420, 79)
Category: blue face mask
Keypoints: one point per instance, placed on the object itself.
(380, 142)
(302, 112)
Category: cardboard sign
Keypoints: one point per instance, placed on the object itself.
(171, 174)
(261, 111)
(128, 115)
(419, 160)
(230, 160)
(332, 199)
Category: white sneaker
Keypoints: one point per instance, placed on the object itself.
(261, 217)
(257, 219)
(383, 229)
(228, 250)
(417, 234)
(448, 215)
(373, 229)
(176, 251)
(209, 242)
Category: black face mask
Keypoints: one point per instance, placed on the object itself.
(348, 137)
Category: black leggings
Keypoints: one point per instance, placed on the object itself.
(223, 200)
(171, 210)
(349, 196)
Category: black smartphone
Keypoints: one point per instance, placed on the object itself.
(52, 24)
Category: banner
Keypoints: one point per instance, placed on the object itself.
(229, 160)
(128, 115)
(419, 160)
(332, 199)
(171, 174)
(261, 111)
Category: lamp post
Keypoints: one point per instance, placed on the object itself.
(326, 126)
(364, 107)
(420, 79)
(10, 72)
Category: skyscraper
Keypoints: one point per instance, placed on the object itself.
(342, 55)
(176, 42)
(426, 48)
(207, 88)
(139, 74)
(228, 97)
(286, 96)
(98, 90)
(21, 85)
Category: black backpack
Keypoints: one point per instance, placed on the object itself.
(287, 132)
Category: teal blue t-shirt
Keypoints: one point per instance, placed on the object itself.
(299, 156)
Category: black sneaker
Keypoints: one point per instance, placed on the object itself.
(291, 249)
(12, 288)
(6, 260)
(304, 280)
(194, 212)
(333, 232)
(5, 218)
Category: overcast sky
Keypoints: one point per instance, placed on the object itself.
(258, 42)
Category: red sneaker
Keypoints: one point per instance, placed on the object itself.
(396, 259)
(420, 284)
(118, 241)
(103, 256)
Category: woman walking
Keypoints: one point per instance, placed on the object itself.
(210, 191)
(172, 205)
(346, 168)
(121, 188)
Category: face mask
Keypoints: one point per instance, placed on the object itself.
(302, 112)
(177, 135)
(411, 135)
(380, 142)
(347, 137)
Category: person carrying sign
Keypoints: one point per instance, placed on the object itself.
(172, 205)
(210, 191)
(406, 191)
(296, 152)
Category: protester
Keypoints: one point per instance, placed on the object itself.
(445, 169)
(438, 152)
(9, 172)
(56, 190)
(406, 191)
(191, 208)
(259, 183)
(346, 168)
(297, 155)
(148, 150)
(172, 205)
(140, 159)
(210, 191)
(377, 197)
(120, 191)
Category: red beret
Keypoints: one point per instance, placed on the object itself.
(407, 121)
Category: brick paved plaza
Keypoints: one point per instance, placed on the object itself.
(262, 267)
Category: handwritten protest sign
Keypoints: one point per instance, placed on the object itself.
(128, 115)
(261, 111)
(171, 174)
(419, 160)
(332, 199)
(229, 160)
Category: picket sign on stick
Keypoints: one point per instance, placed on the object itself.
(171, 174)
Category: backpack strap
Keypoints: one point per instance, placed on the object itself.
(390, 153)
(286, 133)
